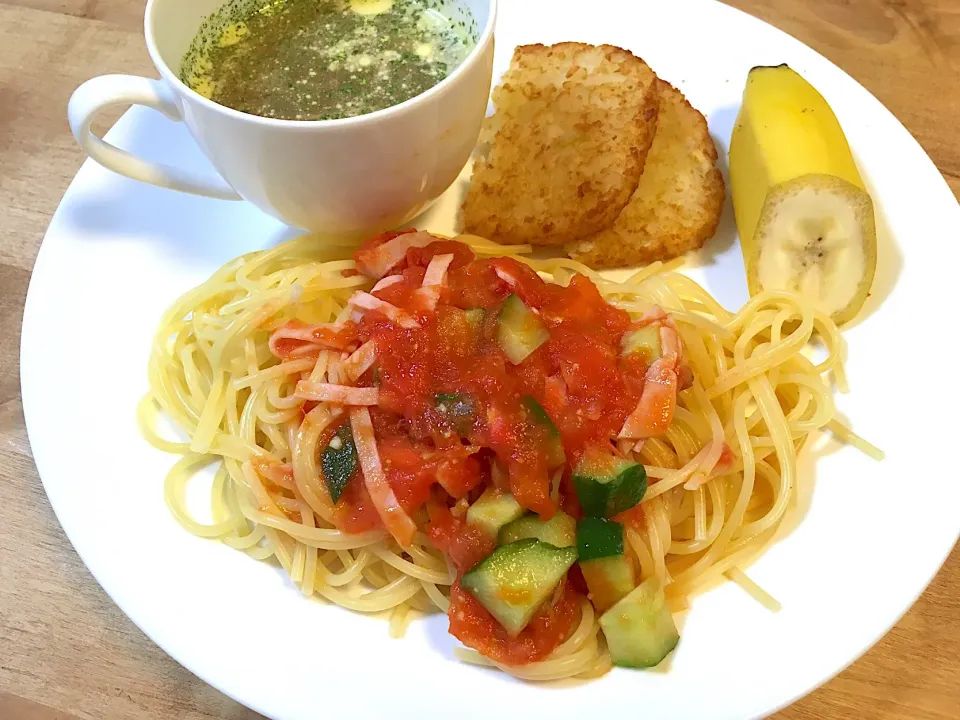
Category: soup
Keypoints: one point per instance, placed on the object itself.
(325, 59)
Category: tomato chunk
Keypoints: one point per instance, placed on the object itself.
(475, 627)
(463, 543)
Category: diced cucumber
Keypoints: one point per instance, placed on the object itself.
(639, 629)
(493, 510)
(458, 409)
(338, 461)
(599, 538)
(606, 484)
(475, 318)
(559, 531)
(645, 340)
(517, 579)
(519, 330)
(538, 416)
(605, 567)
(609, 579)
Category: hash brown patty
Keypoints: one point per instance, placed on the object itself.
(678, 202)
(565, 149)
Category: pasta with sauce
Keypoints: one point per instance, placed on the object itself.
(359, 410)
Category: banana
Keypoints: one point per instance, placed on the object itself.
(805, 219)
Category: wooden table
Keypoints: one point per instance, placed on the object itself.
(66, 651)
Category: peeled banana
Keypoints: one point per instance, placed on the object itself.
(805, 219)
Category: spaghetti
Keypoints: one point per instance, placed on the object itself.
(252, 365)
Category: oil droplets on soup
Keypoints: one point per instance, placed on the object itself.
(325, 59)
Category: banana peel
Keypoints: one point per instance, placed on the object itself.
(805, 219)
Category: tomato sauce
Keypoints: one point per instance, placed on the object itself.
(475, 627)
(577, 376)
(453, 414)
(464, 544)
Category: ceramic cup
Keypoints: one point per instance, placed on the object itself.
(349, 177)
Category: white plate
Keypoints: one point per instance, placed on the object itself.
(117, 253)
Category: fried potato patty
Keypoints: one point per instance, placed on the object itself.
(564, 151)
(676, 206)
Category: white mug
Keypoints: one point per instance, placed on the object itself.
(350, 177)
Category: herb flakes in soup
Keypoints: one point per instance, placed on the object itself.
(326, 59)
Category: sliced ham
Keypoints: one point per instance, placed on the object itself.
(395, 518)
(652, 314)
(342, 394)
(377, 261)
(436, 271)
(670, 345)
(427, 297)
(295, 339)
(299, 352)
(505, 275)
(386, 282)
(366, 301)
(360, 361)
(281, 475)
(333, 369)
(654, 411)
(343, 316)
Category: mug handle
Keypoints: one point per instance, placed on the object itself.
(108, 91)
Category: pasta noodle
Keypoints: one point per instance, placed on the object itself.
(722, 478)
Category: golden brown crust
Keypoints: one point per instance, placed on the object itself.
(565, 149)
(678, 203)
